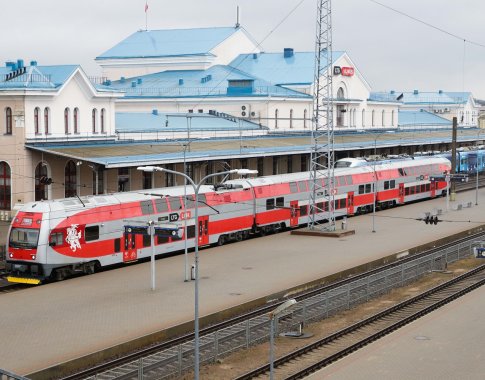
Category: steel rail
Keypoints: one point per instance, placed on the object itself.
(402, 321)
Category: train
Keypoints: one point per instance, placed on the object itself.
(55, 239)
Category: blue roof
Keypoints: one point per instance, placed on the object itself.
(276, 69)
(190, 83)
(424, 118)
(169, 42)
(162, 122)
(424, 98)
(37, 77)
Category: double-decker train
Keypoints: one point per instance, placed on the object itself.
(57, 238)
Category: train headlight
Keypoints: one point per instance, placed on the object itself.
(10, 254)
(33, 257)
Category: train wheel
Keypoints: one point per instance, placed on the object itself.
(221, 240)
(239, 236)
(262, 231)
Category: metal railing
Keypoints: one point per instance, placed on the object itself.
(179, 359)
(5, 375)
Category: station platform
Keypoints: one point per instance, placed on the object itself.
(51, 324)
(445, 344)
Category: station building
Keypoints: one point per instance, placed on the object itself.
(208, 99)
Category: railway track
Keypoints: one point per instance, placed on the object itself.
(317, 355)
(155, 352)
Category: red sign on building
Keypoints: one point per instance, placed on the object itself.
(347, 71)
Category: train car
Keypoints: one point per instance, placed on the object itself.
(57, 238)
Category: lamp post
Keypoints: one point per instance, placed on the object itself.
(196, 188)
(272, 316)
(374, 187)
(477, 168)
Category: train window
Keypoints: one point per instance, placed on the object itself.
(412, 190)
(202, 199)
(147, 240)
(423, 188)
(117, 245)
(189, 201)
(325, 206)
(162, 239)
(428, 187)
(190, 232)
(270, 204)
(386, 185)
(335, 204)
(280, 202)
(319, 206)
(161, 205)
(343, 203)
(303, 210)
(349, 180)
(402, 173)
(175, 203)
(91, 233)
(368, 188)
(406, 191)
(302, 186)
(293, 187)
(392, 184)
(56, 239)
(146, 207)
(361, 189)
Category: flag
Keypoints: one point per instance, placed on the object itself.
(146, 6)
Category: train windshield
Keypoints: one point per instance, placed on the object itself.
(24, 238)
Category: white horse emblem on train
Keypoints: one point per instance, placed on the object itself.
(73, 237)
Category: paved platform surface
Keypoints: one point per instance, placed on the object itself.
(446, 344)
(47, 325)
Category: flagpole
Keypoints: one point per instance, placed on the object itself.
(146, 15)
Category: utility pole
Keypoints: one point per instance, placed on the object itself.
(322, 154)
(453, 157)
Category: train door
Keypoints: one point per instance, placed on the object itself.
(433, 189)
(204, 230)
(129, 251)
(350, 203)
(401, 193)
(294, 211)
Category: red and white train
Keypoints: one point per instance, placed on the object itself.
(54, 239)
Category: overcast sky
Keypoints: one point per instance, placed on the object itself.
(393, 52)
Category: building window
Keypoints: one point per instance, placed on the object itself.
(94, 119)
(305, 112)
(5, 186)
(123, 179)
(363, 118)
(303, 163)
(76, 120)
(260, 166)
(40, 188)
(36, 120)
(383, 118)
(275, 165)
(147, 180)
(100, 189)
(101, 121)
(46, 120)
(289, 164)
(373, 117)
(392, 118)
(291, 118)
(67, 115)
(70, 180)
(276, 118)
(340, 93)
(8, 120)
(169, 177)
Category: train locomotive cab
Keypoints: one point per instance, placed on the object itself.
(25, 249)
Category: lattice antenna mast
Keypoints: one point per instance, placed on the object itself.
(322, 179)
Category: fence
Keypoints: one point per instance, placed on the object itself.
(179, 359)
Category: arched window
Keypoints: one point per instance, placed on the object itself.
(305, 112)
(276, 118)
(67, 115)
(95, 116)
(46, 120)
(40, 188)
(291, 118)
(340, 93)
(101, 121)
(392, 118)
(5, 186)
(383, 118)
(363, 118)
(36, 120)
(76, 120)
(70, 180)
(373, 118)
(8, 120)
